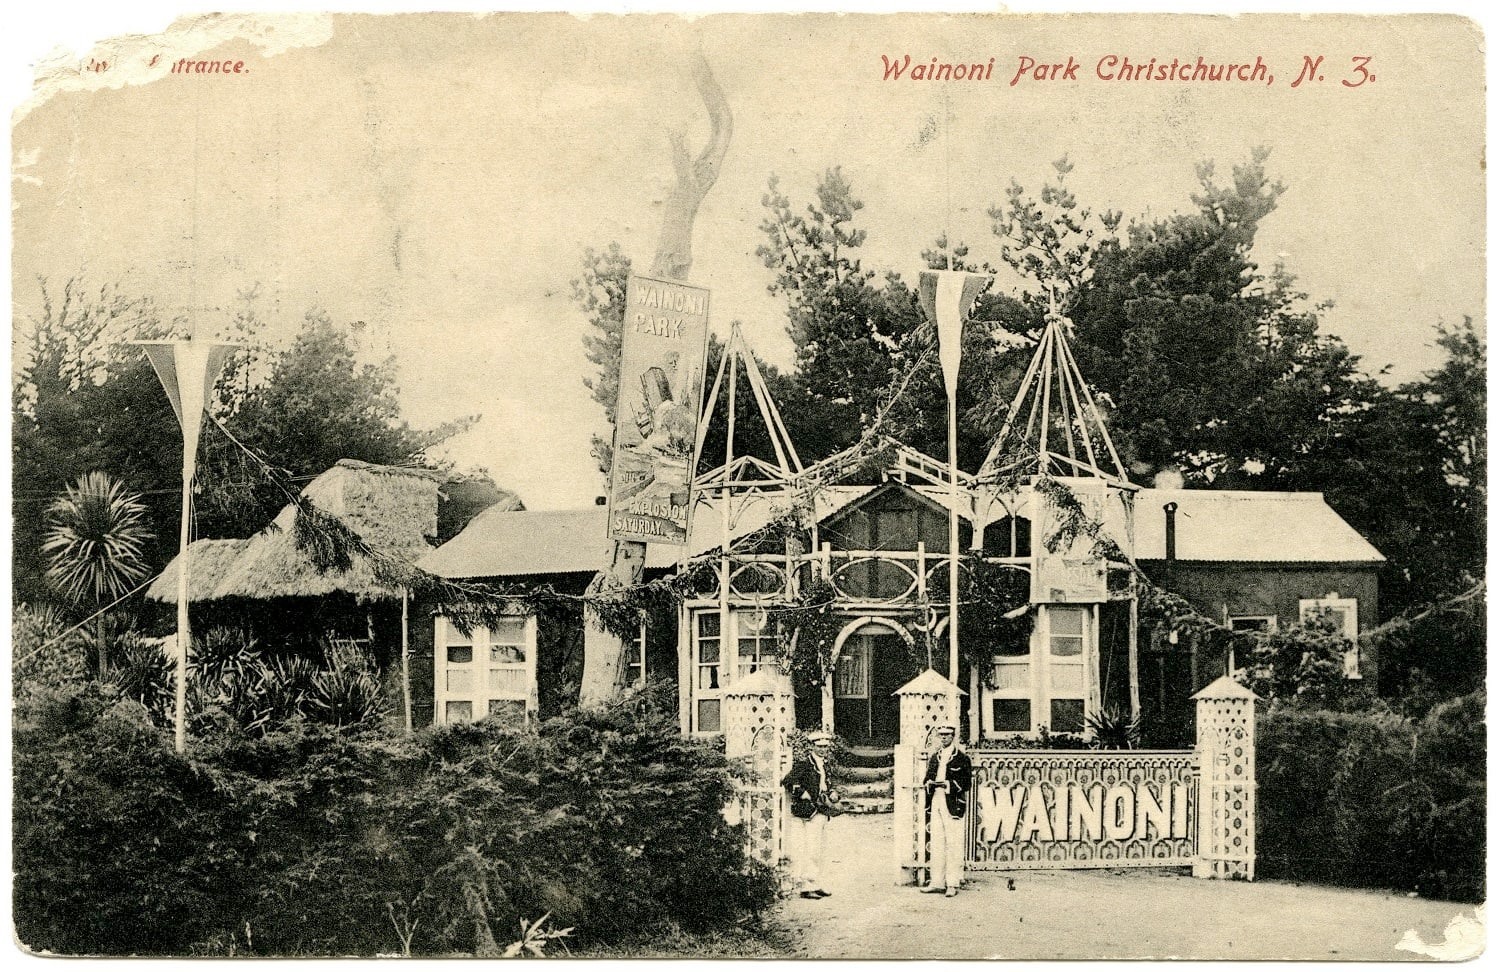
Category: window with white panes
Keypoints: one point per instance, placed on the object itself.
(756, 638)
(708, 672)
(1065, 689)
(488, 672)
(635, 664)
(722, 656)
(1345, 610)
(1044, 680)
(1010, 700)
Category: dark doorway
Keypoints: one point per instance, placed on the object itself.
(871, 666)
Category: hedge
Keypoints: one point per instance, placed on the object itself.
(1374, 799)
(313, 840)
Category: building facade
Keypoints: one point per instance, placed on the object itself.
(878, 553)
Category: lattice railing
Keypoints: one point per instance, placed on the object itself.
(865, 577)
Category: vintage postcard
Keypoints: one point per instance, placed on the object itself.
(823, 486)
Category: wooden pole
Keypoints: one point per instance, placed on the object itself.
(405, 659)
(953, 552)
(184, 634)
(728, 654)
(1135, 665)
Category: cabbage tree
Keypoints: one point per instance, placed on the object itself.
(95, 544)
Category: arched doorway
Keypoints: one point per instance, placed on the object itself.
(872, 659)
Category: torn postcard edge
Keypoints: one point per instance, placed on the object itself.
(116, 62)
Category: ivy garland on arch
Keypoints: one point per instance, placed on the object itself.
(806, 631)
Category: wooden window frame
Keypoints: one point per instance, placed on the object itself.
(729, 658)
(480, 695)
(697, 693)
(1041, 668)
(637, 667)
(1350, 607)
(764, 640)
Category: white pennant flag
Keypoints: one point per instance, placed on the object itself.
(947, 296)
(187, 370)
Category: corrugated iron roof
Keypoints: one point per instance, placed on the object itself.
(1243, 526)
(515, 543)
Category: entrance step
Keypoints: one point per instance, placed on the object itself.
(869, 805)
(866, 781)
(877, 790)
(868, 756)
(863, 774)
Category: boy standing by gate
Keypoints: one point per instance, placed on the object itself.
(949, 773)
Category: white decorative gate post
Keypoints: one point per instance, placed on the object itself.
(1226, 788)
(758, 715)
(926, 703)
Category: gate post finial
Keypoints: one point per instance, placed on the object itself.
(926, 703)
(1226, 790)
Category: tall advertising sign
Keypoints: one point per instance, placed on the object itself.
(663, 354)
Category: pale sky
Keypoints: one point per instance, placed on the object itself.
(439, 177)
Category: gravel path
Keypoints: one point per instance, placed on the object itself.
(1093, 914)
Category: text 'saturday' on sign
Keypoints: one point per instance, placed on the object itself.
(663, 354)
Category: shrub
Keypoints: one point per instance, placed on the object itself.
(43, 650)
(1372, 798)
(1305, 661)
(232, 677)
(315, 839)
(120, 845)
(1442, 819)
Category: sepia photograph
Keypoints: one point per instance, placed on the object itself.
(750, 486)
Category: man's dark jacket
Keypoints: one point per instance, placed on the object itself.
(802, 791)
(960, 775)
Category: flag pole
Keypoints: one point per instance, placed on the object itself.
(946, 296)
(953, 552)
(187, 369)
(184, 636)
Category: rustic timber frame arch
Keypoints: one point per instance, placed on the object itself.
(855, 626)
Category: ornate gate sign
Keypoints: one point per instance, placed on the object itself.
(1051, 809)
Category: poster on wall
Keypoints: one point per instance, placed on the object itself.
(1066, 569)
(663, 349)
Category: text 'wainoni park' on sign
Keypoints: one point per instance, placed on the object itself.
(663, 352)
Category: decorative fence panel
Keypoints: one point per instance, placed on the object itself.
(757, 721)
(1062, 809)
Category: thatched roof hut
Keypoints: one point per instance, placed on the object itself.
(394, 510)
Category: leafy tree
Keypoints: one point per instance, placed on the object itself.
(83, 400)
(318, 404)
(1052, 241)
(845, 327)
(1456, 391)
(600, 293)
(95, 547)
(1212, 366)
